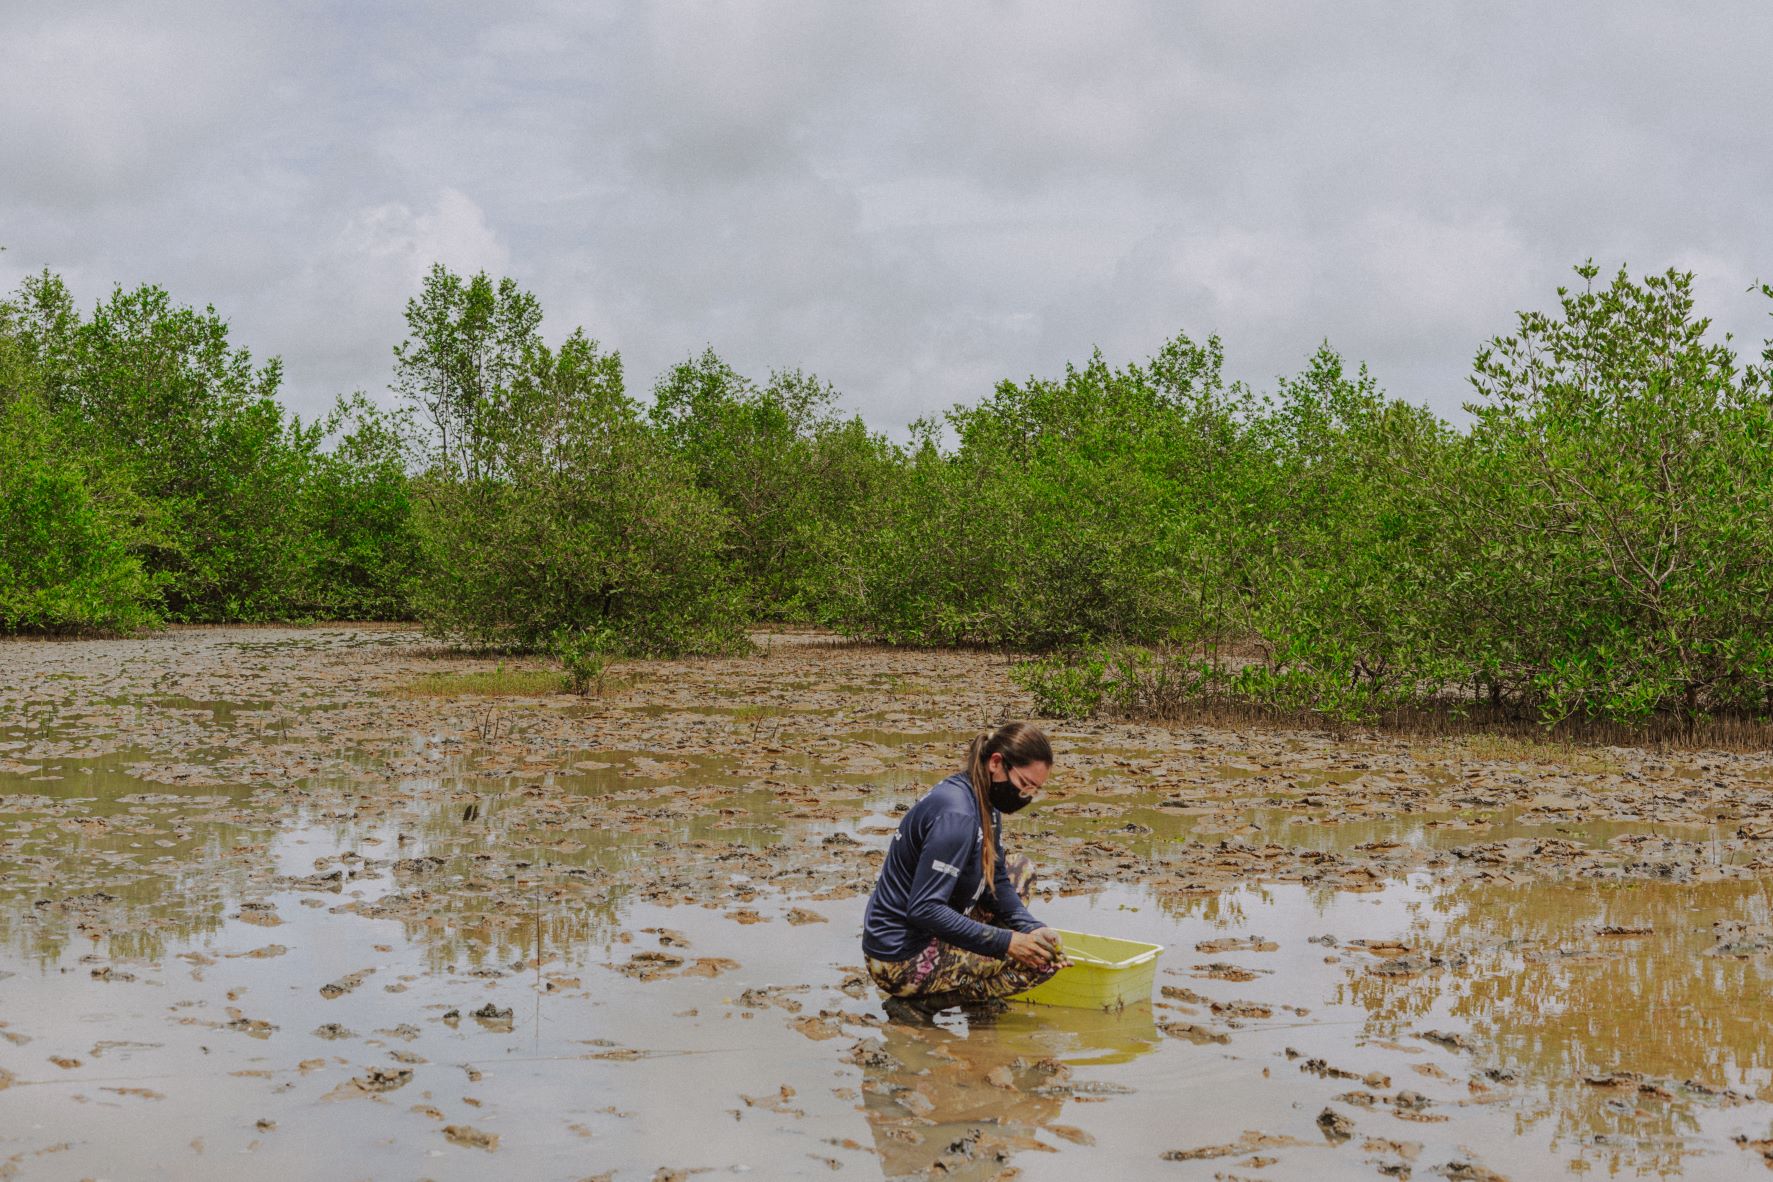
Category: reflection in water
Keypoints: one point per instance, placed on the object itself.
(127, 863)
(222, 711)
(962, 1103)
(1632, 1005)
(96, 853)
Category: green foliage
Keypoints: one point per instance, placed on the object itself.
(1089, 508)
(1595, 546)
(1620, 484)
(232, 509)
(793, 474)
(357, 519)
(1598, 544)
(1070, 685)
(1115, 679)
(153, 391)
(554, 507)
(65, 564)
(468, 340)
(585, 656)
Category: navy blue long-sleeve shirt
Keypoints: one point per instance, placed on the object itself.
(933, 874)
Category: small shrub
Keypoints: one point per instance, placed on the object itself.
(585, 655)
(548, 505)
(1065, 685)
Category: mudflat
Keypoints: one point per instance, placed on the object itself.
(296, 903)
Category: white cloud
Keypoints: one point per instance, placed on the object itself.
(344, 305)
(911, 199)
(400, 241)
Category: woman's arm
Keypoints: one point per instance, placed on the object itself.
(1042, 945)
(946, 850)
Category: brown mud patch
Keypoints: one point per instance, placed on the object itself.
(645, 904)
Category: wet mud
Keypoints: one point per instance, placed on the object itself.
(264, 914)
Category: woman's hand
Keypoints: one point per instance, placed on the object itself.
(1036, 949)
(1051, 937)
(1029, 950)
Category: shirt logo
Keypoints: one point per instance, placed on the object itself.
(944, 868)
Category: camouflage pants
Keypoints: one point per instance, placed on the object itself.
(946, 973)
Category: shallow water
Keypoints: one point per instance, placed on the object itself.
(164, 1060)
(226, 936)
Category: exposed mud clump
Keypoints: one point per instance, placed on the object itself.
(1251, 1142)
(471, 1138)
(384, 1080)
(376, 1081)
(1236, 944)
(252, 1027)
(265, 953)
(260, 914)
(1465, 1171)
(1336, 1127)
(1199, 1035)
(344, 984)
(1451, 1039)
(649, 965)
(710, 966)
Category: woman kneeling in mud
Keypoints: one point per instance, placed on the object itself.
(945, 924)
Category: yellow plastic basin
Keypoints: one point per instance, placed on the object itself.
(1106, 973)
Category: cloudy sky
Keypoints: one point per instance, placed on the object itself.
(912, 200)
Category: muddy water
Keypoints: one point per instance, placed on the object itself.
(338, 932)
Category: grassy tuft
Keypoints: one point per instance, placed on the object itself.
(499, 682)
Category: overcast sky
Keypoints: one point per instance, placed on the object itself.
(911, 200)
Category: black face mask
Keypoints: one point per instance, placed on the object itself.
(1005, 798)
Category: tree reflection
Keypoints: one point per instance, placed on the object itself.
(1607, 1000)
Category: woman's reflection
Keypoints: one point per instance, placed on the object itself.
(961, 1102)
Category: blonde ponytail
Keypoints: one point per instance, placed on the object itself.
(978, 755)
